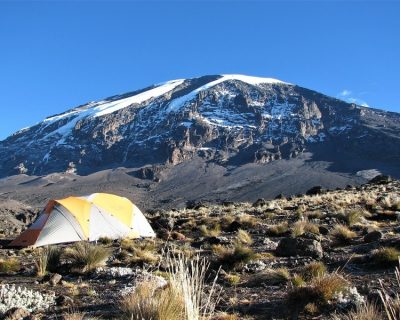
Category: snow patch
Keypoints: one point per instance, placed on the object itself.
(177, 103)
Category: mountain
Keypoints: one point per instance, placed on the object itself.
(222, 131)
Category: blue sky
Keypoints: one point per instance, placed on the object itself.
(57, 55)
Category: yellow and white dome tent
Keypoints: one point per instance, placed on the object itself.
(85, 218)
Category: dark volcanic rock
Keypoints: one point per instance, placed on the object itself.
(299, 246)
(373, 236)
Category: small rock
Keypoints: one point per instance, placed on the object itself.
(323, 230)
(63, 301)
(373, 236)
(16, 314)
(310, 235)
(255, 266)
(234, 226)
(113, 281)
(269, 244)
(55, 279)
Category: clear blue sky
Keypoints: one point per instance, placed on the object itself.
(57, 55)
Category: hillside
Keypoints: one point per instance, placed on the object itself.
(303, 257)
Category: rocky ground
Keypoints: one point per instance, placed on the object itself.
(305, 257)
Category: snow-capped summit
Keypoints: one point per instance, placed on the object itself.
(218, 118)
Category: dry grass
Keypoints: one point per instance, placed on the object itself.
(214, 231)
(232, 279)
(278, 229)
(319, 291)
(270, 277)
(85, 257)
(367, 311)
(390, 297)
(302, 226)
(148, 302)
(248, 221)
(47, 259)
(313, 270)
(352, 217)
(232, 257)
(140, 252)
(244, 237)
(9, 265)
(188, 277)
(342, 235)
(387, 256)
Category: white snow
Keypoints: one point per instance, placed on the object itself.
(110, 107)
(102, 108)
(177, 103)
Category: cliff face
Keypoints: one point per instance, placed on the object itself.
(227, 119)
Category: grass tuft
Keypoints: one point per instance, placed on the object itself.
(313, 270)
(9, 265)
(86, 257)
(302, 226)
(233, 257)
(366, 311)
(342, 235)
(48, 259)
(387, 256)
(244, 237)
(278, 229)
(148, 302)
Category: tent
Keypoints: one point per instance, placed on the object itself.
(85, 218)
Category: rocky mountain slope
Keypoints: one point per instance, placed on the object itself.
(225, 130)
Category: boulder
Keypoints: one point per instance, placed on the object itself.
(288, 247)
(373, 236)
